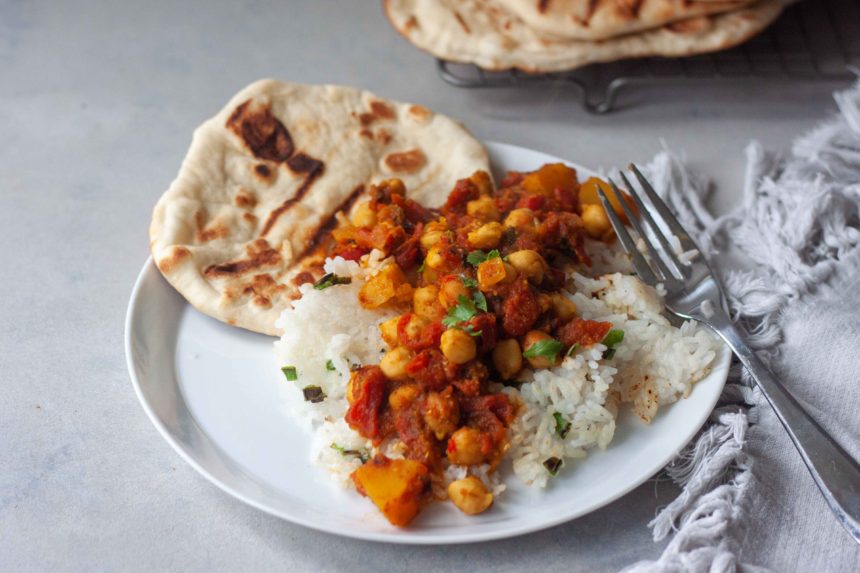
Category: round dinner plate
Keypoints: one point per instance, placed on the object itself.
(212, 392)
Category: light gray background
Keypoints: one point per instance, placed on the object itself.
(97, 104)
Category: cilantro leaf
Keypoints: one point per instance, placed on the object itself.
(475, 258)
(480, 300)
(313, 394)
(463, 311)
(552, 465)
(562, 426)
(613, 338)
(548, 348)
(360, 454)
(469, 329)
(331, 279)
(469, 282)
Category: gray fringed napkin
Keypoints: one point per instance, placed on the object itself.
(789, 257)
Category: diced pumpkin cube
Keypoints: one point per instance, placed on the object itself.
(588, 196)
(547, 178)
(490, 272)
(388, 285)
(397, 487)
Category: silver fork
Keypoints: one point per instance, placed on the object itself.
(693, 292)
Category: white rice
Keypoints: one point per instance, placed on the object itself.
(654, 365)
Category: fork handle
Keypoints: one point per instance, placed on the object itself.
(834, 471)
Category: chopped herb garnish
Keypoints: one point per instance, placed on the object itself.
(313, 394)
(460, 313)
(360, 454)
(548, 348)
(475, 258)
(331, 279)
(469, 329)
(421, 268)
(612, 339)
(329, 365)
(552, 465)
(562, 426)
(469, 282)
(480, 300)
(290, 372)
(572, 349)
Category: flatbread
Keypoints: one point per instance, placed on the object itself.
(602, 19)
(484, 33)
(263, 179)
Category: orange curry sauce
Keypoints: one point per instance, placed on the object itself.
(479, 283)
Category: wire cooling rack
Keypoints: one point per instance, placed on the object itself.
(813, 40)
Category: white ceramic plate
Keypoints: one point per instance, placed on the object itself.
(212, 392)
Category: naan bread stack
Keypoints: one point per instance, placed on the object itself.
(556, 35)
(265, 178)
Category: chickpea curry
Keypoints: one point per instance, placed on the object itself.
(481, 290)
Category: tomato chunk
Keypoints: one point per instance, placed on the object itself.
(520, 309)
(583, 332)
(369, 386)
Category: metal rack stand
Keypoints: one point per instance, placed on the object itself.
(814, 40)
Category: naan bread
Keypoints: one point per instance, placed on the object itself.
(482, 32)
(602, 19)
(263, 179)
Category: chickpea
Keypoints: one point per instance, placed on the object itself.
(364, 216)
(416, 324)
(402, 396)
(521, 219)
(458, 346)
(528, 263)
(482, 181)
(425, 302)
(487, 236)
(451, 289)
(393, 364)
(483, 208)
(563, 307)
(434, 258)
(388, 330)
(433, 233)
(544, 302)
(596, 221)
(532, 338)
(470, 495)
(465, 447)
(508, 358)
(441, 414)
(510, 274)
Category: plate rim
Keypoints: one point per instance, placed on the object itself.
(404, 537)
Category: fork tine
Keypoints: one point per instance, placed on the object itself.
(639, 263)
(686, 242)
(663, 272)
(679, 268)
